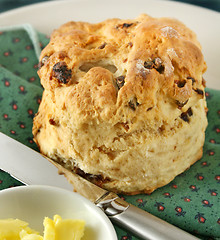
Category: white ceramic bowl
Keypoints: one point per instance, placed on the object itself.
(33, 203)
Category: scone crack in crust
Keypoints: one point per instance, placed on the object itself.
(115, 92)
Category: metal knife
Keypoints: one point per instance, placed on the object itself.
(30, 167)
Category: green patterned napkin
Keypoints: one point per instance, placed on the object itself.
(191, 201)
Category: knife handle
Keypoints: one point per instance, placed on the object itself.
(140, 222)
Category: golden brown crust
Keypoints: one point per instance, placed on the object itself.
(114, 90)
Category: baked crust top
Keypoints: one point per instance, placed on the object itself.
(128, 67)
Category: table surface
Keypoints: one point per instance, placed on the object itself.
(6, 5)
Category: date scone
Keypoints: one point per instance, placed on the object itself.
(123, 103)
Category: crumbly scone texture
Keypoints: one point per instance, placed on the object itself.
(123, 102)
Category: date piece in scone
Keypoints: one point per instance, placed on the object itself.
(123, 102)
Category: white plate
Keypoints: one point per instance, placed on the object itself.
(49, 15)
(33, 203)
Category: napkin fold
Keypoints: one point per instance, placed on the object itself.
(191, 201)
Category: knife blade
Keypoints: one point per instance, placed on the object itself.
(31, 167)
(27, 165)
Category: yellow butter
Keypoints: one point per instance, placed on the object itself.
(59, 229)
(49, 229)
(24, 235)
(69, 229)
(56, 229)
(11, 228)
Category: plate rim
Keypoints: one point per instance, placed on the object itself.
(51, 2)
